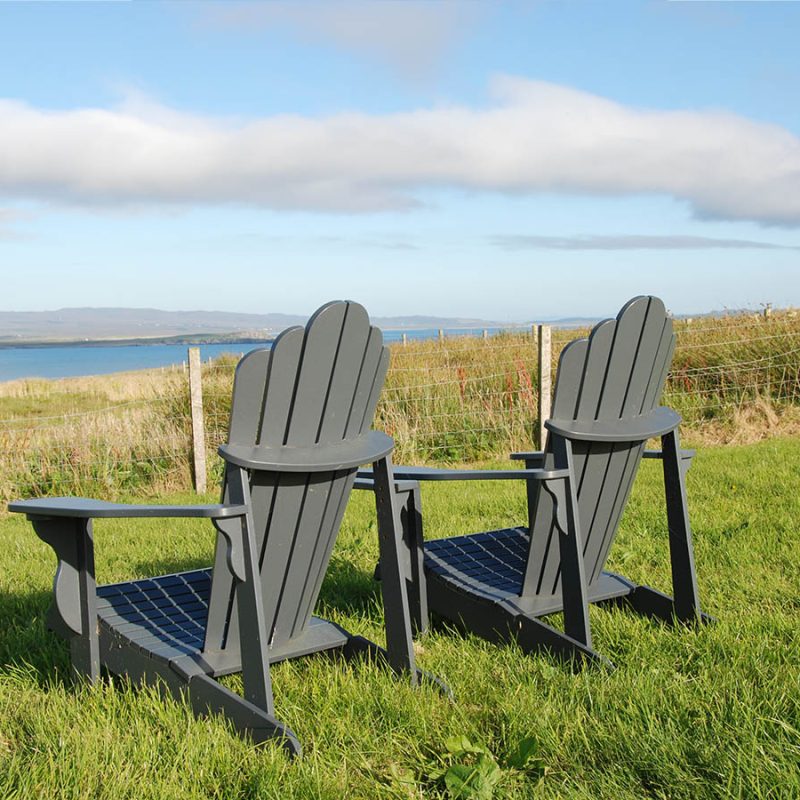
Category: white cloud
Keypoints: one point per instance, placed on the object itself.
(9, 217)
(534, 137)
(631, 242)
(412, 36)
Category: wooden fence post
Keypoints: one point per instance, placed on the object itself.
(198, 428)
(767, 310)
(545, 380)
(441, 335)
(405, 339)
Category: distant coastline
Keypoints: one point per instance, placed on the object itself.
(191, 339)
(144, 341)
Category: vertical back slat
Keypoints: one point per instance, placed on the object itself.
(281, 385)
(370, 366)
(375, 391)
(341, 485)
(332, 363)
(316, 370)
(650, 361)
(590, 480)
(658, 377)
(345, 380)
(621, 358)
(649, 341)
(593, 379)
(249, 385)
(264, 379)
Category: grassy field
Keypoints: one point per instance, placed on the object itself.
(704, 713)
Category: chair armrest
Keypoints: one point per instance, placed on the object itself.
(436, 474)
(325, 457)
(87, 508)
(657, 422)
(536, 455)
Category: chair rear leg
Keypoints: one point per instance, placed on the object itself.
(360, 647)
(533, 635)
(207, 695)
(651, 603)
(183, 677)
(685, 605)
(499, 624)
(684, 578)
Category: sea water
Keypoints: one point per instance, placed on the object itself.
(62, 361)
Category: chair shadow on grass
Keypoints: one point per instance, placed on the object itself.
(26, 642)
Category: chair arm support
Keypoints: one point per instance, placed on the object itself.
(73, 612)
(366, 481)
(536, 456)
(87, 508)
(685, 454)
(435, 474)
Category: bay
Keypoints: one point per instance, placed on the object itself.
(64, 361)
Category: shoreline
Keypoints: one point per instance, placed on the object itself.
(133, 342)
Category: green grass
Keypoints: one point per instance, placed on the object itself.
(705, 713)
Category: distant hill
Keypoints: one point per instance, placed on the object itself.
(71, 324)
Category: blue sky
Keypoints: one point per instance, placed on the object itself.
(509, 161)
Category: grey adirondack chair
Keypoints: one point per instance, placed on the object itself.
(299, 429)
(499, 584)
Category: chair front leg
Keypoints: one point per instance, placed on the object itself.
(573, 576)
(399, 645)
(243, 563)
(74, 610)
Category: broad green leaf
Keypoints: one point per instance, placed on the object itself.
(459, 745)
(524, 756)
(477, 782)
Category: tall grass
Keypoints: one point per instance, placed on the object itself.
(733, 378)
(111, 434)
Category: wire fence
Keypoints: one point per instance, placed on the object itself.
(459, 399)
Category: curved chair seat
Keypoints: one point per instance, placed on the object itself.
(167, 614)
(492, 566)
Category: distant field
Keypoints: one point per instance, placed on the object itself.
(735, 379)
(710, 713)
